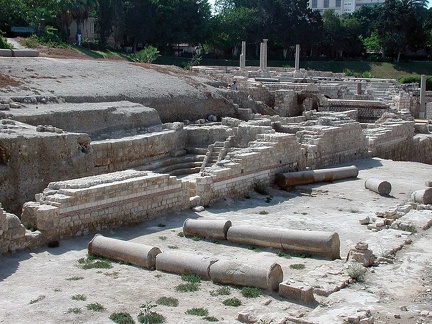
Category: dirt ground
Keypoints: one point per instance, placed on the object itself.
(42, 286)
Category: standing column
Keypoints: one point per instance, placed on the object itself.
(265, 53)
(261, 56)
(243, 56)
(422, 111)
(297, 57)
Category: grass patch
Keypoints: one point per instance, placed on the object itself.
(167, 301)
(187, 287)
(297, 266)
(147, 316)
(75, 310)
(79, 297)
(95, 307)
(221, 291)
(121, 318)
(354, 211)
(254, 248)
(250, 292)
(92, 262)
(411, 228)
(196, 238)
(357, 272)
(193, 278)
(263, 212)
(162, 238)
(283, 254)
(197, 311)
(74, 278)
(210, 319)
(269, 199)
(173, 247)
(180, 234)
(234, 302)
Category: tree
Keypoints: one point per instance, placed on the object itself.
(76, 9)
(398, 27)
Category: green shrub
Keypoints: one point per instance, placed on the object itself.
(146, 55)
(3, 42)
(96, 307)
(210, 319)
(147, 316)
(250, 292)
(92, 262)
(197, 311)
(79, 297)
(167, 301)
(221, 291)
(417, 79)
(75, 310)
(121, 318)
(234, 302)
(283, 254)
(187, 287)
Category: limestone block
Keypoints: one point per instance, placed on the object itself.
(24, 53)
(5, 52)
(296, 292)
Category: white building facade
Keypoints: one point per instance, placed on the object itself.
(341, 6)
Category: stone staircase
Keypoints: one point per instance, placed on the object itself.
(180, 163)
(215, 153)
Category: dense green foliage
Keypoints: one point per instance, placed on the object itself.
(394, 31)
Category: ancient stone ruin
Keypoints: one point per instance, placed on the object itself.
(70, 167)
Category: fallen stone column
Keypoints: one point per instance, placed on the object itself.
(185, 263)
(422, 196)
(260, 275)
(134, 253)
(381, 187)
(323, 244)
(216, 229)
(290, 179)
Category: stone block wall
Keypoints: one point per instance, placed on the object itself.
(84, 205)
(203, 135)
(330, 145)
(13, 234)
(260, 162)
(128, 152)
(391, 140)
(30, 160)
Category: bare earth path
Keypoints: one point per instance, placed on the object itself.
(37, 286)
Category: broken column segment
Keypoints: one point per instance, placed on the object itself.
(134, 253)
(322, 244)
(260, 275)
(296, 292)
(185, 263)
(381, 187)
(290, 179)
(216, 229)
(423, 196)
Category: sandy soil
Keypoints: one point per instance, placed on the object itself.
(38, 286)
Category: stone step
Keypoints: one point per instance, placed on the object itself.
(178, 166)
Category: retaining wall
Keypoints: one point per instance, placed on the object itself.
(77, 207)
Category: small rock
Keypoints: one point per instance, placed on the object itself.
(365, 221)
(198, 208)
(267, 302)
(15, 105)
(246, 317)
(397, 316)
(404, 308)
(424, 313)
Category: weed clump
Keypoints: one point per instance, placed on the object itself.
(167, 301)
(250, 292)
(234, 302)
(121, 318)
(221, 291)
(197, 311)
(95, 307)
(357, 272)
